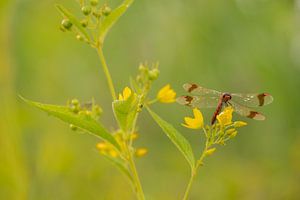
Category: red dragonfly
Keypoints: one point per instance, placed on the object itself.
(241, 103)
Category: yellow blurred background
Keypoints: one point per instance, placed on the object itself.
(229, 45)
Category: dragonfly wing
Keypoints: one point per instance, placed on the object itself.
(247, 112)
(198, 90)
(253, 100)
(198, 101)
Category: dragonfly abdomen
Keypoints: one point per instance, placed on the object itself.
(218, 110)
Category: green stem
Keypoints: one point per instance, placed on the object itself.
(195, 170)
(137, 182)
(106, 72)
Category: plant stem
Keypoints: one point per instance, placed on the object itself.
(137, 182)
(188, 188)
(106, 72)
(195, 170)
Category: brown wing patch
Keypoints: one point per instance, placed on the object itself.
(193, 87)
(185, 100)
(256, 115)
(261, 98)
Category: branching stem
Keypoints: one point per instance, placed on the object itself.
(106, 72)
(195, 170)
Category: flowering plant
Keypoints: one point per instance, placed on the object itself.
(118, 145)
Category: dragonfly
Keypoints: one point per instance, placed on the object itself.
(242, 104)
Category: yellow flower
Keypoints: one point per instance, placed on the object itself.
(126, 94)
(166, 94)
(196, 122)
(225, 117)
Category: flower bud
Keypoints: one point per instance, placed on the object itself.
(84, 23)
(86, 10)
(113, 153)
(79, 37)
(141, 152)
(210, 151)
(88, 113)
(75, 109)
(102, 146)
(66, 23)
(75, 102)
(134, 136)
(106, 10)
(238, 124)
(97, 110)
(142, 68)
(230, 131)
(232, 135)
(94, 2)
(153, 74)
(72, 127)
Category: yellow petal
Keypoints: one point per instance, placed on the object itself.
(225, 117)
(166, 94)
(120, 97)
(196, 122)
(126, 93)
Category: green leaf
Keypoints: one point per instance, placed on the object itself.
(120, 165)
(125, 112)
(82, 121)
(73, 19)
(180, 142)
(111, 19)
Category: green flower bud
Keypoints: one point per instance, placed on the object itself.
(232, 135)
(239, 124)
(66, 23)
(75, 102)
(153, 74)
(230, 131)
(79, 37)
(97, 110)
(142, 68)
(210, 151)
(106, 10)
(72, 127)
(86, 10)
(75, 109)
(84, 23)
(94, 2)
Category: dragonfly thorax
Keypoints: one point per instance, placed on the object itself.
(226, 97)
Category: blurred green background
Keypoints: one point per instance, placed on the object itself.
(229, 45)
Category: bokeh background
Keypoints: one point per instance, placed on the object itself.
(229, 45)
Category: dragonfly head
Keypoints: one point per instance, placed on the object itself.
(226, 97)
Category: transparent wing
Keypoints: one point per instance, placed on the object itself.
(247, 112)
(252, 100)
(201, 91)
(198, 101)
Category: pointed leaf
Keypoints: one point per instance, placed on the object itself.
(125, 112)
(84, 122)
(73, 19)
(112, 18)
(180, 142)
